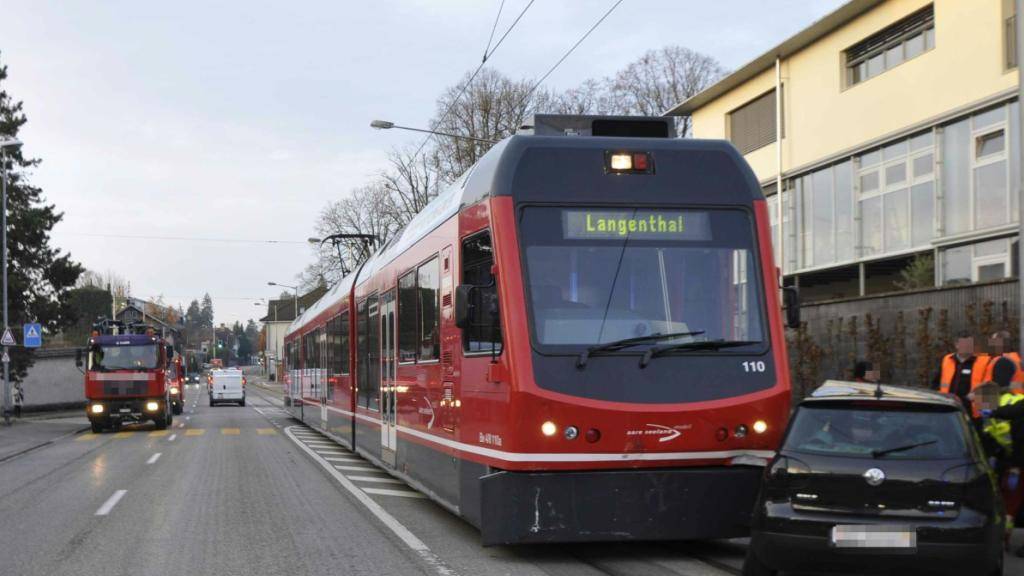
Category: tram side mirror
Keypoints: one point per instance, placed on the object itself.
(78, 358)
(463, 308)
(791, 300)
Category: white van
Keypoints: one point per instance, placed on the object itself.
(227, 386)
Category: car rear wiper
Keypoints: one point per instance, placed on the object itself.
(581, 362)
(880, 453)
(702, 345)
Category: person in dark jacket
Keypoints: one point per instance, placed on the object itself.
(1005, 425)
(864, 371)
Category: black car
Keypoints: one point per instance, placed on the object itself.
(878, 479)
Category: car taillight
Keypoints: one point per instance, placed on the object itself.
(243, 381)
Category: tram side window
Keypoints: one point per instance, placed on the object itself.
(407, 338)
(343, 343)
(483, 333)
(362, 351)
(428, 310)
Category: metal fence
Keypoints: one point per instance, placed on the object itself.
(904, 334)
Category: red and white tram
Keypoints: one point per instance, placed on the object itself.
(580, 340)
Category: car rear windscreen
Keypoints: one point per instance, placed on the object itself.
(904, 434)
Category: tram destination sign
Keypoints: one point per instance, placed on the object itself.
(601, 224)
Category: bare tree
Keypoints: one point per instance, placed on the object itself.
(411, 183)
(492, 107)
(660, 79)
(590, 97)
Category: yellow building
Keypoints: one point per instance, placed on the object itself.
(895, 136)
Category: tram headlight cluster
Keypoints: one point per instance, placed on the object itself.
(548, 428)
(97, 408)
(152, 406)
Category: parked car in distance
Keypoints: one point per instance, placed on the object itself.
(227, 386)
(878, 479)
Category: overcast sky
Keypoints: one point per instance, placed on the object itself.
(241, 120)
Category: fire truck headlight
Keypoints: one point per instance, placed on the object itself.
(548, 428)
(174, 390)
(760, 427)
(152, 406)
(97, 408)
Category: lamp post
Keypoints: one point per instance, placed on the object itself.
(4, 145)
(385, 125)
(296, 288)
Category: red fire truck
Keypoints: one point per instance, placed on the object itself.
(126, 376)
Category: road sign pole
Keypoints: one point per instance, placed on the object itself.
(3, 248)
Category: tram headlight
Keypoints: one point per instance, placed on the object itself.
(571, 432)
(97, 408)
(152, 406)
(548, 428)
(175, 390)
(760, 427)
(621, 162)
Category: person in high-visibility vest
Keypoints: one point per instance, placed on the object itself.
(1000, 345)
(1005, 425)
(962, 371)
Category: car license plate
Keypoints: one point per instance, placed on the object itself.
(125, 410)
(874, 536)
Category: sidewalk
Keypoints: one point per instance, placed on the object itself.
(38, 431)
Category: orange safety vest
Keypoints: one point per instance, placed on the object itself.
(978, 371)
(1018, 376)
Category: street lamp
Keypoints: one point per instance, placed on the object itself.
(385, 125)
(4, 145)
(296, 288)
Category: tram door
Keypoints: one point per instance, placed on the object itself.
(388, 397)
(324, 383)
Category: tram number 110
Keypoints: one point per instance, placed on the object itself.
(754, 366)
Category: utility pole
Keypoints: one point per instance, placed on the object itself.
(4, 144)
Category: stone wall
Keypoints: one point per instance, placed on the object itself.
(54, 382)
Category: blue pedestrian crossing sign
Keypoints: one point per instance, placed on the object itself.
(33, 336)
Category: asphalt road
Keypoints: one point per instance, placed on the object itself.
(248, 491)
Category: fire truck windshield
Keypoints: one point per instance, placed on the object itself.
(139, 357)
(598, 275)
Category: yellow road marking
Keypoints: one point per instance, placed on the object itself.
(159, 433)
(265, 431)
(123, 434)
(230, 431)
(194, 432)
(87, 436)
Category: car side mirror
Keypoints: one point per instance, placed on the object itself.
(463, 307)
(791, 301)
(78, 358)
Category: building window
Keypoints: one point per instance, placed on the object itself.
(981, 262)
(906, 39)
(752, 125)
(897, 195)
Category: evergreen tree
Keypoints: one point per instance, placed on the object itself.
(206, 311)
(39, 275)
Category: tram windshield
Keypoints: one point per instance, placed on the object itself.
(599, 275)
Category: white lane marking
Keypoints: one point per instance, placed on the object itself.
(111, 502)
(375, 479)
(172, 437)
(181, 424)
(314, 444)
(399, 529)
(355, 468)
(348, 459)
(386, 492)
(153, 458)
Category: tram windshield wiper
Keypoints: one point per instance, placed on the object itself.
(581, 362)
(702, 345)
(880, 453)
